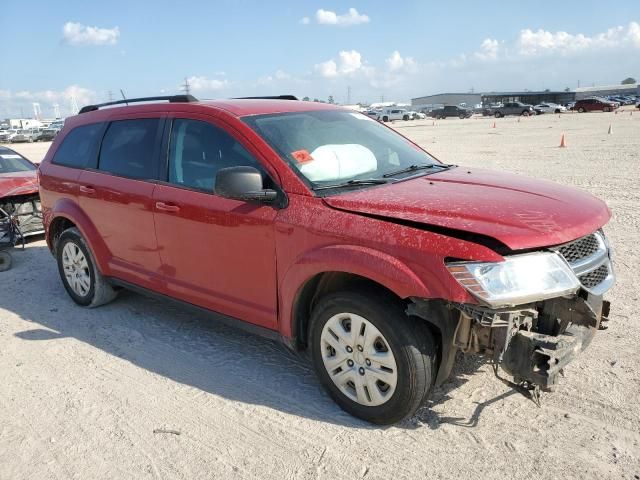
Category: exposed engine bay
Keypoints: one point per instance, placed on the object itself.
(26, 213)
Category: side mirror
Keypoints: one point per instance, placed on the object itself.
(243, 183)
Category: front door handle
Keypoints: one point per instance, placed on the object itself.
(167, 208)
(87, 189)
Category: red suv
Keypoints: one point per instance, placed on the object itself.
(327, 230)
(594, 104)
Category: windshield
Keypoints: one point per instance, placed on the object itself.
(334, 147)
(12, 162)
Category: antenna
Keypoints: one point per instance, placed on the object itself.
(123, 96)
(186, 87)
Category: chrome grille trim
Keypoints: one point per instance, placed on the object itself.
(589, 259)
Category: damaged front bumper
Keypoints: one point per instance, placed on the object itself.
(532, 344)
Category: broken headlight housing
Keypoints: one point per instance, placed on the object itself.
(517, 280)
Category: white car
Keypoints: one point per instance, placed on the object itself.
(549, 108)
(416, 115)
(394, 113)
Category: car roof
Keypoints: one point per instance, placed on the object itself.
(235, 107)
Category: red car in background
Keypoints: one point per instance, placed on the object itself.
(594, 104)
(19, 195)
(325, 229)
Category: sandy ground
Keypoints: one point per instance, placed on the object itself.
(81, 391)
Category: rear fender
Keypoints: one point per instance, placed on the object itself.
(70, 210)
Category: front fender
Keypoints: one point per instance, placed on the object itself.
(67, 208)
(374, 265)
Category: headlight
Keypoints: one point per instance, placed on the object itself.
(517, 280)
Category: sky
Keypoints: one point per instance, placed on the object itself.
(357, 51)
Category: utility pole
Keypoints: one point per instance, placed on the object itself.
(56, 110)
(110, 95)
(186, 88)
(349, 95)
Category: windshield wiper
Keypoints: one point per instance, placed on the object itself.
(350, 183)
(413, 168)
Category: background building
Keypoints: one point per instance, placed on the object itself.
(530, 98)
(583, 92)
(470, 99)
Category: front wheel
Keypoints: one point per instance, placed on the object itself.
(374, 361)
(405, 118)
(581, 110)
(525, 113)
(607, 109)
(385, 119)
(79, 272)
(497, 115)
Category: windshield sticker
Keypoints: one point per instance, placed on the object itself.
(302, 156)
(10, 156)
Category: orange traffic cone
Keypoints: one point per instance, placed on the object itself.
(563, 144)
(610, 130)
(494, 125)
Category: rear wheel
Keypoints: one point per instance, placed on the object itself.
(385, 119)
(525, 113)
(405, 118)
(607, 109)
(497, 115)
(79, 273)
(374, 361)
(581, 110)
(462, 116)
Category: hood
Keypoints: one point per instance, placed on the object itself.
(18, 183)
(519, 212)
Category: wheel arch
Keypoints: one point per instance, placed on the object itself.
(334, 268)
(66, 214)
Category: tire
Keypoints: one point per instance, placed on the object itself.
(90, 288)
(405, 118)
(410, 356)
(462, 116)
(581, 110)
(607, 109)
(525, 113)
(385, 119)
(557, 110)
(497, 115)
(5, 261)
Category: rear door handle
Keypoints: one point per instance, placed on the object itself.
(166, 207)
(87, 189)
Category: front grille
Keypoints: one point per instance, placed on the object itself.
(588, 257)
(582, 248)
(595, 277)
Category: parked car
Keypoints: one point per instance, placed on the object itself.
(452, 111)
(19, 192)
(413, 115)
(393, 113)
(22, 136)
(316, 226)
(7, 135)
(513, 108)
(594, 104)
(549, 108)
(46, 135)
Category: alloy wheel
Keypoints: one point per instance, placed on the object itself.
(76, 269)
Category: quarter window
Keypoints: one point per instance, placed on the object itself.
(129, 148)
(197, 150)
(80, 147)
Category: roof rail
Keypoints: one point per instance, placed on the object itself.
(272, 97)
(127, 101)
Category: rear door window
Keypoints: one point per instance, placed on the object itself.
(80, 147)
(130, 148)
